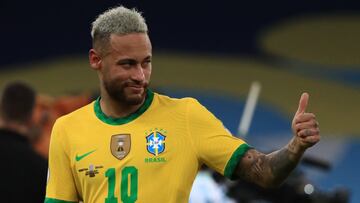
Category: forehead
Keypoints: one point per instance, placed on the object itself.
(131, 45)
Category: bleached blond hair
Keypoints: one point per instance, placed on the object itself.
(118, 20)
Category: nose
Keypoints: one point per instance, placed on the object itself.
(138, 73)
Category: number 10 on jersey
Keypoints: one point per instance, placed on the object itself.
(129, 185)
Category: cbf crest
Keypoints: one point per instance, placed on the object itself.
(155, 142)
(120, 145)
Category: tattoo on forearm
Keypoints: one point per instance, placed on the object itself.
(284, 161)
(281, 163)
(269, 170)
(253, 167)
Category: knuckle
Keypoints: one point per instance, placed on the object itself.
(313, 123)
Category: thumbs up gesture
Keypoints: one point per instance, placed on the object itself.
(304, 125)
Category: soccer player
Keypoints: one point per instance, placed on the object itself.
(134, 145)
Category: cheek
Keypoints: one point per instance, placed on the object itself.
(113, 73)
(147, 73)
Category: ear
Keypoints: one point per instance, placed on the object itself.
(94, 59)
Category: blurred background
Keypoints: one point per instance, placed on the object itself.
(214, 51)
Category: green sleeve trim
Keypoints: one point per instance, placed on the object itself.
(52, 200)
(234, 160)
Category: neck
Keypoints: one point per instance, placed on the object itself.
(116, 109)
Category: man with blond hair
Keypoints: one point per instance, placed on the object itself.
(135, 145)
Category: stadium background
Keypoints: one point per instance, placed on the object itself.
(213, 51)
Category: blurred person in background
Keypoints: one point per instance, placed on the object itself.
(134, 145)
(23, 171)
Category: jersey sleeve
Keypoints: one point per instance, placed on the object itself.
(214, 144)
(61, 185)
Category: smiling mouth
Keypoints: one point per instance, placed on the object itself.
(136, 89)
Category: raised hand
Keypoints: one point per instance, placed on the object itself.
(305, 125)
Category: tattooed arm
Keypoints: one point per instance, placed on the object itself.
(270, 170)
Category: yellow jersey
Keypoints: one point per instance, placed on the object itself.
(153, 155)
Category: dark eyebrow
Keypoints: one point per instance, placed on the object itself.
(126, 61)
(147, 58)
(131, 61)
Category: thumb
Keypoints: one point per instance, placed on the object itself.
(303, 103)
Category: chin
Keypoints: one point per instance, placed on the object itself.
(135, 99)
(127, 97)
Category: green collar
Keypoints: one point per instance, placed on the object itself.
(119, 121)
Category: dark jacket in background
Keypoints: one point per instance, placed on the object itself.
(23, 173)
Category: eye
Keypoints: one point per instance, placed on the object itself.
(146, 63)
(126, 63)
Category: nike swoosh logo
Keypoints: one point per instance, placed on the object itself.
(78, 158)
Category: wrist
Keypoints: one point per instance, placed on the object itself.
(295, 148)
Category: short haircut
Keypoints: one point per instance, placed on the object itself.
(17, 102)
(118, 20)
